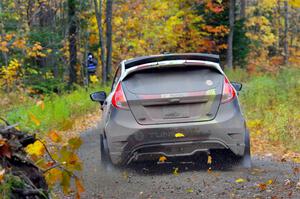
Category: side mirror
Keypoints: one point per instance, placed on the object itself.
(237, 86)
(98, 97)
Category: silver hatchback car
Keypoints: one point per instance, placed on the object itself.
(171, 105)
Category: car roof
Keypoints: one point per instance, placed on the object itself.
(168, 57)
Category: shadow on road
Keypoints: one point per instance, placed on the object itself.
(182, 164)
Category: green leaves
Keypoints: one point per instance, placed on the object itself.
(75, 143)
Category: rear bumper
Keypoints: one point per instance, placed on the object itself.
(128, 140)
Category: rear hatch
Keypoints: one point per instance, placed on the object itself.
(173, 95)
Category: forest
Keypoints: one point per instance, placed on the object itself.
(44, 47)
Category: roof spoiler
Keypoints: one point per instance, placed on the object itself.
(167, 57)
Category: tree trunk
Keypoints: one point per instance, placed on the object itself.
(229, 56)
(279, 43)
(2, 31)
(72, 40)
(243, 9)
(98, 12)
(109, 36)
(286, 29)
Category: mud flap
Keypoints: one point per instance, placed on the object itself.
(105, 158)
(245, 161)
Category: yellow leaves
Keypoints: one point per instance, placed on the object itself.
(4, 148)
(64, 165)
(34, 119)
(125, 175)
(189, 190)
(3, 46)
(11, 73)
(296, 160)
(162, 159)
(94, 79)
(49, 75)
(261, 30)
(93, 39)
(295, 3)
(179, 135)
(65, 183)
(79, 187)
(75, 143)
(67, 124)
(53, 176)
(118, 21)
(19, 43)
(254, 123)
(8, 37)
(263, 186)
(54, 136)
(269, 182)
(37, 46)
(36, 51)
(239, 180)
(41, 104)
(37, 148)
(217, 30)
(267, 4)
(2, 172)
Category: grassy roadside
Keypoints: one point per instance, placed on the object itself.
(53, 112)
(271, 105)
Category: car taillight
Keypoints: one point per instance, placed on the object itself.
(119, 99)
(228, 92)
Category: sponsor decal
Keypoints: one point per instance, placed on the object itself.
(209, 82)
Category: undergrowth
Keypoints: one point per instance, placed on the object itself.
(53, 111)
(271, 105)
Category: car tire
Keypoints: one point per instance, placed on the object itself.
(245, 160)
(105, 158)
(225, 159)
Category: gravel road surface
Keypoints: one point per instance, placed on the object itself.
(266, 179)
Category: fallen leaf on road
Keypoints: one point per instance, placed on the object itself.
(296, 170)
(269, 182)
(125, 175)
(209, 170)
(189, 190)
(296, 160)
(54, 136)
(298, 185)
(239, 180)
(262, 186)
(287, 182)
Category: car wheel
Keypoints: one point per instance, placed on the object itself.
(105, 158)
(245, 160)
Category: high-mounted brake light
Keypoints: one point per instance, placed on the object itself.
(228, 92)
(119, 99)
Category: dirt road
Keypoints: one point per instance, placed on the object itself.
(267, 179)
